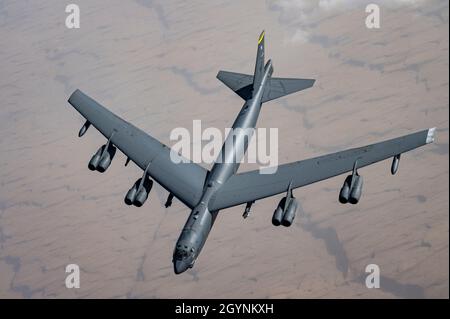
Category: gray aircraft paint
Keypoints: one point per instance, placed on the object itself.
(201, 220)
(208, 192)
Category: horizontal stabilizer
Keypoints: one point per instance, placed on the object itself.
(278, 87)
(242, 85)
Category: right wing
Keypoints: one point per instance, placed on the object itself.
(184, 180)
(250, 186)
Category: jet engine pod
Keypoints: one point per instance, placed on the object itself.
(102, 159)
(95, 160)
(142, 192)
(356, 191)
(289, 215)
(278, 213)
(106, 159)
(131, 195)
(345, 190)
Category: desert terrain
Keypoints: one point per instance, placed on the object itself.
(154, 63)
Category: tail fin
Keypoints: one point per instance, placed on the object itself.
(259, 66)
(243, 84)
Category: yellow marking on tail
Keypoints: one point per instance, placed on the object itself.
(261, 37)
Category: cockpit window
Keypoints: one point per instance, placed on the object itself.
(181, 253)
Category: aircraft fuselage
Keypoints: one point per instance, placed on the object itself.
(200, 221)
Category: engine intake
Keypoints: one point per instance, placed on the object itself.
(351, 190)
(102, 158)
(138, 193)
(279, 213)
(131, 194)
(284, 215)
(289, 214)
(95, 160)
(356, 191)
(345, 190)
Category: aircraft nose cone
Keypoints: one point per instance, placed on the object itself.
(179, 266)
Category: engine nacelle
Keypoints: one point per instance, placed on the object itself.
(137, 195)
(345, 190)
(352, 194)
(289, 214)
(101, 162)
(106, 159)
(278, 214)
(95, 160)
(356, 191)
(131, 195)
(143, 192)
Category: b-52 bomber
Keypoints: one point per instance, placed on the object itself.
(206, 192)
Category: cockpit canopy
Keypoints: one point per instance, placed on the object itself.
(182, 252)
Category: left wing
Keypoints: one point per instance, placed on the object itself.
(250, 186)
(184, 180)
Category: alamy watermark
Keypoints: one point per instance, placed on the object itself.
(208, 146)
(73, 279)
(373, 279)
(373, 19)
(73, 19)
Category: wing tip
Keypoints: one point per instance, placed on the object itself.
(74, 94)
(431, 135)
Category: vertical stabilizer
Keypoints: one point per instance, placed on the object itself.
(259, 67)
